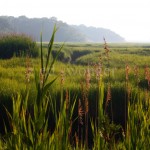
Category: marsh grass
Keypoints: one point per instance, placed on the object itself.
(53, 114)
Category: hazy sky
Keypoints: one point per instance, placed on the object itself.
(129, 18)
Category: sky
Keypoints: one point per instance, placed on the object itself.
(128, 18)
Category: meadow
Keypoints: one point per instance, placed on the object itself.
(76, 96)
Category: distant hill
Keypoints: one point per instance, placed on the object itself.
(68, 33)
(97, 34)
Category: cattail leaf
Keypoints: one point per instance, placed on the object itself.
(40, 121)
(47, 86)
(72, 108)
(50, 45)
(10, 117)
(52, 63)
(38, 87)
(31, 128)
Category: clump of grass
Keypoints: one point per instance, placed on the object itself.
(147, 76)
(29, 128)
(18, 45)
(31, 123)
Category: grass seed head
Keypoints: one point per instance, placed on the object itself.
(87, 78)
(28, 69)
(80, 112)
(127, 69)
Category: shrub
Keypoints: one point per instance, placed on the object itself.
(63, 56)
(18, 45)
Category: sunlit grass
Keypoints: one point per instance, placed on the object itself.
(84, 107)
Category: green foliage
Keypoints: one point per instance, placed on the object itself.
(43, 113)
(138, 125)
(18, 45)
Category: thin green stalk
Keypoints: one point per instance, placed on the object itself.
(42, 62)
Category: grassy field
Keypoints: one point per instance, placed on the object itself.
(83, 56)
(99, 100)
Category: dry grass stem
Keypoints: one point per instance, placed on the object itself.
(80, 112)
(127, 69)
(67, 101)
(28, 69)
(87, 78)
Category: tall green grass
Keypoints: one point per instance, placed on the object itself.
(18, 45)
(42, 117)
